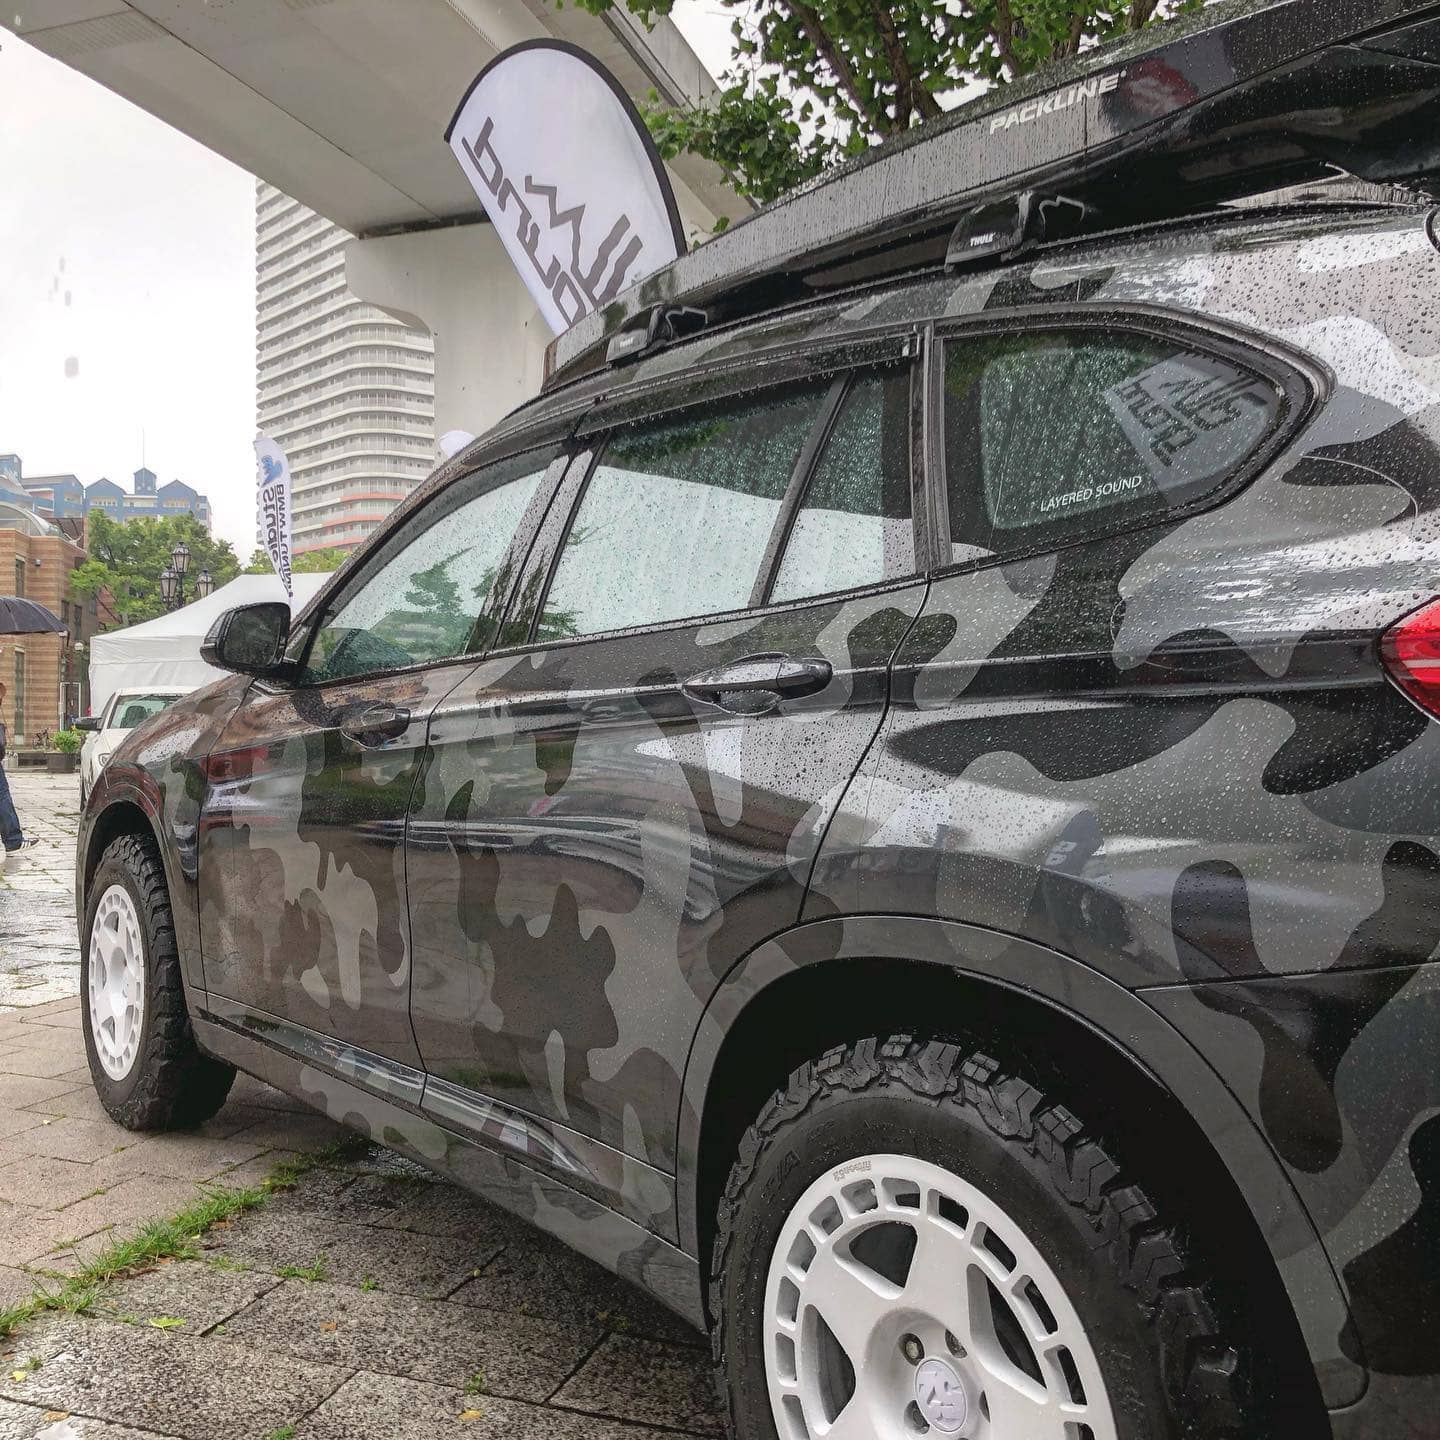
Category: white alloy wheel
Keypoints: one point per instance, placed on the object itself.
(902, 1301)
(116, 981)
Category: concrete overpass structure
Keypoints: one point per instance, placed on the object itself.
(343, 105)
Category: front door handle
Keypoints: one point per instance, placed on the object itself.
(769, 674)
(376, 724)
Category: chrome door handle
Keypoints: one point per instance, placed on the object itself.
(770, 674)
(377, 724)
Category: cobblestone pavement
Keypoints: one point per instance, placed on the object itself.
(371, 1301)
(39, 958)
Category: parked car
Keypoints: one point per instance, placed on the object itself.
(899, 813)
(126, 710)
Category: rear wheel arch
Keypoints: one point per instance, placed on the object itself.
(834, 981)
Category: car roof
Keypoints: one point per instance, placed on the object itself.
(1201, 110)
(934, 293)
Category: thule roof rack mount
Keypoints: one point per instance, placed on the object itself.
(1234, 101)
(649, 330)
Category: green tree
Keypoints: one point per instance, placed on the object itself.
(312, 562)
(128, 557)
(812, 82)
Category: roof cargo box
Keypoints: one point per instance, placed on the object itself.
(1235, 101)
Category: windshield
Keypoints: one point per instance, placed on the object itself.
(132, 711)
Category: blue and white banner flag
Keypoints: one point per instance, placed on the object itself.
(273, 510)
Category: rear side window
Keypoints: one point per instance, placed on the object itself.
(854, 525)
(675, 518)
(1056, 435)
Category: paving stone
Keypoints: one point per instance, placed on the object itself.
(247, 1090)
(189, 1290)
(60, 1007)
(15, 1285)
(254, 1172)
(536, 1275)
(229, 1121)
(128, 1204)
(377, 1160)
(13, 1122)
(77, 1252)
(52, 1040)
(35, 1422)
(182, 1156)
(80, 1101)
(381, 1407)
(326, 1193)
(421, 1339)
(69, 1138)
(206, 1389)
(433, 1207)
(648, 1382)
(18, 1090)
(19, 1060)
(28, 1234)
(406, 1264)
(292, 1131)
(48, 1184)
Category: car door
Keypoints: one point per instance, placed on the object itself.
(302, 867)
(1084, 699)
(627, 797)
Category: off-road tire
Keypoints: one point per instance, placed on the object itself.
(1169, 1373)
(171, 1085)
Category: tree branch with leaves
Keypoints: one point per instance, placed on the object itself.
(813, 82)
(128, 557)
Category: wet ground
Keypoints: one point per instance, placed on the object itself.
(38, 956)
(370, 1301)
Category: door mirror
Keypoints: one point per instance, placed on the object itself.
(86, 722)
(250, 640)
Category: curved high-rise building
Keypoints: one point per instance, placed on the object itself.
(346, 390)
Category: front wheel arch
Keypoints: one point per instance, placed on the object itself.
(124, 817)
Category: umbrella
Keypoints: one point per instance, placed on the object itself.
(26, 617)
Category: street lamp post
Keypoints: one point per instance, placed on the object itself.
(172, 578)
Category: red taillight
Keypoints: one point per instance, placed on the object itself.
(1411, 652)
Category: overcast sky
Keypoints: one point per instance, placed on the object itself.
(127, 286)
(127, 255)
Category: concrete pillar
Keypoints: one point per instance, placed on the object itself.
(458, 284)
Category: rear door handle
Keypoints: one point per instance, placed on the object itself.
(771, 674)
(377, 724)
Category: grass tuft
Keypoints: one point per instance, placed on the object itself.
(174, 1237)
(317, 1269)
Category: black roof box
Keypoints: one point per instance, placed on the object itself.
(1241, 99)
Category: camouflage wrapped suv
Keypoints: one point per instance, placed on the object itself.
(900, 811)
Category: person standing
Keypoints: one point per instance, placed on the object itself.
(11, 834)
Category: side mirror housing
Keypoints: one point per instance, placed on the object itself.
(249, 640)
(86, 722)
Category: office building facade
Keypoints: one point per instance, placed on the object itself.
(346, 391)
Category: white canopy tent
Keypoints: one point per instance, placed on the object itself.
(165, 652)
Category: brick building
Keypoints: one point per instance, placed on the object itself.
(44, 676)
